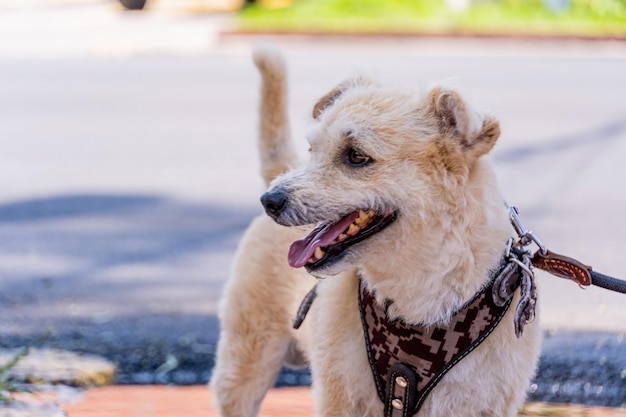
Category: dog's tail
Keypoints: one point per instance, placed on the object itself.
(277, 154)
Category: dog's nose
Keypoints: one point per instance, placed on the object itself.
(274, 201)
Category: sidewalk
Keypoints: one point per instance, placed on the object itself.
(56, 377)
(176, 401)
(195, 401)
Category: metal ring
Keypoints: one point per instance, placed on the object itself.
(523, 265)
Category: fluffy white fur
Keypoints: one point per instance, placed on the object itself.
(429, 166)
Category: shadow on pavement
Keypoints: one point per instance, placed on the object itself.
(605, 133)
(42, 209)
(137, 278)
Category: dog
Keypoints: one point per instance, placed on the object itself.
(398, 199)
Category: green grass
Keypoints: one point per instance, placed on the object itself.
(9, 386)
(484, 17)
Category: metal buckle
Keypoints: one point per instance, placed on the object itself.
(525, 236)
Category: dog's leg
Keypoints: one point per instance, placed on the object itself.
(246, 369)
(255, 315)
(343, 385)
(253, 345)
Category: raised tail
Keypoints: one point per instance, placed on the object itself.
(276, 149)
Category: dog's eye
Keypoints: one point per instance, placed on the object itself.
(357, 158)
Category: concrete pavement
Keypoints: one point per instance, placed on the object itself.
(128, 172)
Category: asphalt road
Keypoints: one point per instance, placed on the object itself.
(128, 172)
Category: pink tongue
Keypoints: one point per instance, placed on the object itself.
(302, 250)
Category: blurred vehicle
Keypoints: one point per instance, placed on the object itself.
(133, 4)
(139, 4)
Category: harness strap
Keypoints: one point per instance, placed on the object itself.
(401, 395)
(304, 308)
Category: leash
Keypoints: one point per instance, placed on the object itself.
(608, 283)
(560, 265)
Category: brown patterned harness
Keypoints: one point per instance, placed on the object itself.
(408, 360)
(404, 353)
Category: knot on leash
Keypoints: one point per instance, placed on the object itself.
(517, 272)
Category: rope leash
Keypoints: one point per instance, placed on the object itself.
(608, 283)
(560, 265)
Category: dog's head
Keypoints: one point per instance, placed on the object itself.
(384, 164)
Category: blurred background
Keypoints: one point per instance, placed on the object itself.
(128, 161)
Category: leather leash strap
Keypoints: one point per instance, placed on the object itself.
(565, 267)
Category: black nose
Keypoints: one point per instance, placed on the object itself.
(274, 201)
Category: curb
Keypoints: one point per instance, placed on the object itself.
(452, 35)
(47, 378)
(53, 366)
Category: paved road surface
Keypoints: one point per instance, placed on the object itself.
(128, 172)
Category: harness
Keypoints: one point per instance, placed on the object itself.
(408, 360)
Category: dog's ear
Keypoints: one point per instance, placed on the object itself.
(475, 133)
(329, 98)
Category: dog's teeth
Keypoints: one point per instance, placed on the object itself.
(362, 219)
(319, 253)
(353, 230)
(341, 237)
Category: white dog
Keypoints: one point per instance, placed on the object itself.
(411, 232)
